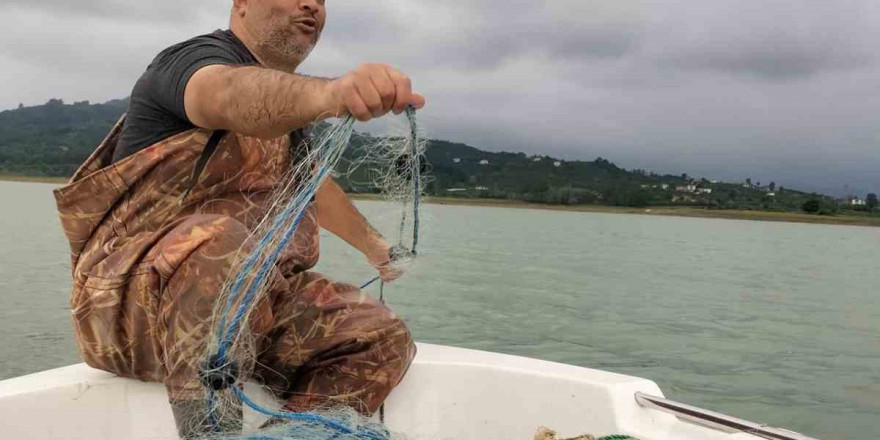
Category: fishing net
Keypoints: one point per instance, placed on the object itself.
(393, 167)
(545, 433)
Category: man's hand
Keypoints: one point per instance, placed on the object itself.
(338, 215)
(379, 256)
(372, 90)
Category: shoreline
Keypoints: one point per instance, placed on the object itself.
(664, 211)
(32, 179)
(661, 211)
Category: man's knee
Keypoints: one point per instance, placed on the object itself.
(390, 341)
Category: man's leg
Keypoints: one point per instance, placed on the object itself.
(332, 344)
(195, 258)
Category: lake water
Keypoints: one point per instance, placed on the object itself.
(772, 322)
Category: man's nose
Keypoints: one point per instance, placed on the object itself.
(312, 6)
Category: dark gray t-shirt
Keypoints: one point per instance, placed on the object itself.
(156, 111)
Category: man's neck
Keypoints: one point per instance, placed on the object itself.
(247, 39)
(251, 42)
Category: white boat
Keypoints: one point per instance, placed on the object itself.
(449, 393)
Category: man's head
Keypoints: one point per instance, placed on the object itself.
(281, 33)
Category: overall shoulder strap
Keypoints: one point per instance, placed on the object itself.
(210, 148)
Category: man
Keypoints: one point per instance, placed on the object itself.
(156, 216)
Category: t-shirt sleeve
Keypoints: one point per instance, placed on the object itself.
(171, 70)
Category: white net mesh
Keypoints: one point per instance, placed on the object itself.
(393, 167)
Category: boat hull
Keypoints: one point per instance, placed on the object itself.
(449, 393)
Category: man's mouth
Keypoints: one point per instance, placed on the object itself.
(308, 25)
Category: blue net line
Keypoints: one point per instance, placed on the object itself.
(330, 155)
(416, 164)
(311, 417)
(296, 209)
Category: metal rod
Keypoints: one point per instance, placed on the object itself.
(717, 420)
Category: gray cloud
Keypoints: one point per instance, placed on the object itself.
(782, 90)
(121, 10)
(774, 40)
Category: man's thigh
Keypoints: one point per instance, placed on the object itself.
(331, 340)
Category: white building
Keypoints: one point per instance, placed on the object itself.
(484, 162)
(557, 164)
(456, 160)
(855, 201)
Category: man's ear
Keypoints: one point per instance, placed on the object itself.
(239, 7)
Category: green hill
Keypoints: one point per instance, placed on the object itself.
(54, 138)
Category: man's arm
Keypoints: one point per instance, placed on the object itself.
(338, 215)
(267, 103)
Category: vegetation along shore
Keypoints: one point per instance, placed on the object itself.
(46, 143)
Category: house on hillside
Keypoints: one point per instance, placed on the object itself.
(687, 188)
(484, 162)
(456, 160)
(855, 201)
(683, 199)
(557, 164)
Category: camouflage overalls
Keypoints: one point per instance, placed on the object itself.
(147, 270)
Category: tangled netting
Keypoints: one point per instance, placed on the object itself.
(394, 167)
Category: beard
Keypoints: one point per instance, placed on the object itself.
(282, 46)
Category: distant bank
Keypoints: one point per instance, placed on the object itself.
(729, 214)
(773, 216)
(33, 179)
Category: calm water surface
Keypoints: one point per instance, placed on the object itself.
(772, 322)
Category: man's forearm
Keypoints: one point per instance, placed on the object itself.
(268, 103)
(338, 215)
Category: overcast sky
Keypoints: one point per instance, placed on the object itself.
(782, 90)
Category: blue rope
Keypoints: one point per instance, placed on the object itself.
(211, 409)
(252, 260)
(264, 271)
(298, 207)
(297, 210)
(309, 417)
(370, 283)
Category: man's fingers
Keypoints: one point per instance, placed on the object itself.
(357, 107)
(418, 101)
(385, 86)
(370, 96)
(403, 89)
